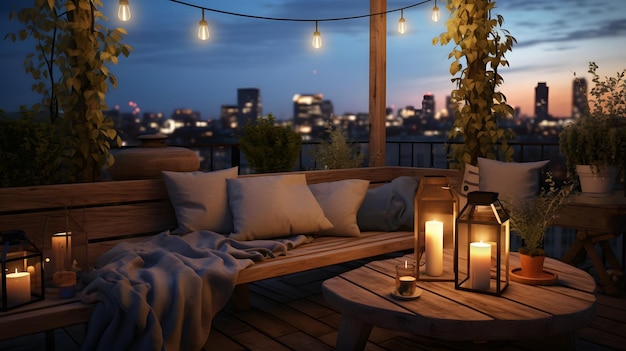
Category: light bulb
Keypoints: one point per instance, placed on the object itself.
(402, 23)
(435, 16)
(123, 12)
(317, 38)
(203, 28)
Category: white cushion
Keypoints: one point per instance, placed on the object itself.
(511, 180)
(200, 200)
(470, 182)
(266, 207)
(340, 201)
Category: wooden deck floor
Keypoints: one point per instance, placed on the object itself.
(289, 313)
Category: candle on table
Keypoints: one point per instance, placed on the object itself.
(405, 279)
(18, 288)
(61, 244)
(434, 248)
(480, 265)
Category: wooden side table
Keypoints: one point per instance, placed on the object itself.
(363, 297)
(596, 220)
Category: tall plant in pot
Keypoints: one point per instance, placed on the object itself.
(594, 145)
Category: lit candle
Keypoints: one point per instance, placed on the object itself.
(405, 279)
(61, 244)
(434, 248)
(33, 282)
(18, 288)
(480, 265)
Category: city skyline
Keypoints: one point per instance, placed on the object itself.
(170, 68)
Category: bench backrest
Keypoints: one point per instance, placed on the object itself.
(101, 214)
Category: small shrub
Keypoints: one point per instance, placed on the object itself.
(335, 152)
(269, 147)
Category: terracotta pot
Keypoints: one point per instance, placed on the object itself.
(150, 158)
(532, 266)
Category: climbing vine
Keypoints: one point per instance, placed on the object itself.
(480, 45)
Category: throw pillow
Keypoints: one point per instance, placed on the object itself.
(200, 200)
(511, 180)
(470, 182)
(268, 207)
(340, 201)
(390, 206)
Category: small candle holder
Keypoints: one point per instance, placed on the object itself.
(405, 279)
(22, 270)
(481, 250)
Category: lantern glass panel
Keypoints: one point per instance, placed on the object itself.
(481, 255)
(436, 209)
(21, 282)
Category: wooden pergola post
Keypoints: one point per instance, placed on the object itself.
(378, 82)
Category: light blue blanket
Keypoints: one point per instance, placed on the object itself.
(162, 293)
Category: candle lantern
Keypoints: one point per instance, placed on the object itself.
(436, 209)
(481, 250)
(22, 270)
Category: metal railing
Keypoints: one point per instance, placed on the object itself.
(429, 154)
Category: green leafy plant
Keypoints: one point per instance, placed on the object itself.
(335, 152)
(530, 219)
(30, 151)
(269, 147)
(70, 71)
(598, 137)
(482, 43)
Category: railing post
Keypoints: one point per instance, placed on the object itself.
(235, 158)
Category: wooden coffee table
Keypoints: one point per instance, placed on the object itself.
(363, 297)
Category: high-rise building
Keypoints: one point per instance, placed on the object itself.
(228, 116)
(249, 104)
(311, 112)
(541, 101)
(579, 97)
(428, 106)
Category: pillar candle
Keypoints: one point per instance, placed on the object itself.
(480, 265)
(434, 248)
(18, 288)
(61, 245)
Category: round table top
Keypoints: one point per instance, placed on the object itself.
(522, 311)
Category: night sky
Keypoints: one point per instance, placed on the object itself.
(170, 68)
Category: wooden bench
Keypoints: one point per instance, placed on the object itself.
(103, 214)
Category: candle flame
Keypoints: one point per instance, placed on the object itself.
(15, 270)
(406, 264)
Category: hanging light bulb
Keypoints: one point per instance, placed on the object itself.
(435, 16)
(402, 23)
(317, 38)
(123, 12)
(203, 28)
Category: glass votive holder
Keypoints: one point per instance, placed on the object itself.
(405, 279)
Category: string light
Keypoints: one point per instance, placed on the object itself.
(317, 38)
(402, 23)
(123, 11)
(203, 28)
(435, 16)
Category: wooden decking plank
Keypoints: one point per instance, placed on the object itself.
(254, 340)
(266, 323)
(303, 341)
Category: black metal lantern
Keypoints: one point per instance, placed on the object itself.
(481, 250)
(436, 209)
(22, 270)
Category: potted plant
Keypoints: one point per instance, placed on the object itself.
(594, 145)
(269, 147)
(530, 220)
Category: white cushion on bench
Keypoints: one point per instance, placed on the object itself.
(340, 201)
(274, 206)
(200, 200)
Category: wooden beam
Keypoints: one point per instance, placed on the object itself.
(378, 82)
